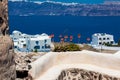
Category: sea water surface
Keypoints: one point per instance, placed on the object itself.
(66, 25)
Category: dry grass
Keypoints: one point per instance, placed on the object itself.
(87, 47)
(90, 48)
(63, 47)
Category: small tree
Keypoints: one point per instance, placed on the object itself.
(119, 42)
(108, 44)
(79, 35)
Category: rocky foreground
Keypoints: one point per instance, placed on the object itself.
(23, 61)
(7, 63)
(80, 74)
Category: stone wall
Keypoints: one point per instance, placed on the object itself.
(80, 74)
(7, 64)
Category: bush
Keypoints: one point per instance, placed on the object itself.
(119, 42)
(66, 47)
(36, 50)
(108, 44)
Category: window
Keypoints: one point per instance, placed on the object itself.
(15, 46)
(108, 38)
(37, 42)
(37, 47)
(103, 38)
(24, 45)
(45, 41)
(42, 47)
(100, 39)
(111, 42)
(15, 38)
(100, 43)
(22, 41)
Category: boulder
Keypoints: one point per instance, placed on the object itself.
(7, 63)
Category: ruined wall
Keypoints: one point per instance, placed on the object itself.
(7, 64)
(80, 74)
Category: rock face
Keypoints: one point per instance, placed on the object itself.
(7, 64)
(80, 74)
(3, 17)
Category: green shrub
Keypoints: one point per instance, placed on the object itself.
(119, 42)
(36, 50)
(108, 44)
(66, 47)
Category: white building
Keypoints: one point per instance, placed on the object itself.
(101, 39)
(28, 43)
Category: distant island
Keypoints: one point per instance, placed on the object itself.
(50, 8)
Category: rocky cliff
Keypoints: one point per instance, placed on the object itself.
(22, 8)
(3, 17)
(7, 64)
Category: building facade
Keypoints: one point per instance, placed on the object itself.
(102, 39)
(29, 43)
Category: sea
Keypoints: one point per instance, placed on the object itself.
(67, 25)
